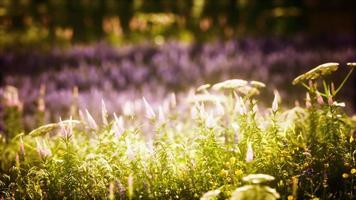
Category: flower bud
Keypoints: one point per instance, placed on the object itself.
(330, 100)
(319, 99)
(308, 101)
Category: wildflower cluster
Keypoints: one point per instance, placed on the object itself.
(217, 142)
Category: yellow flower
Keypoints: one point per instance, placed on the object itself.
(227, 164)
(344, 175)
(224, 172)
(290, 197)
(232, 160)
(353, 171)
(238, 172)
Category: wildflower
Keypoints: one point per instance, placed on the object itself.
(161, 115)
(11, 97)
(203, 88)
(319, 98)
(41, 106)
(232, 160)
(339, 104)
(17, 160)
(150, 114)
(353, 171)
(257, 84)
(275, 101)
(128, 108)
(210, 121)
(74, 101)
(330, 100)
(43, 151)
(205, 98)
(118, 126)
(66, 129)
(308, 101)
(317, 72)
(230, 84)
(238, 172)
(351, 64)
(90, 120)
(258, 178)
(290, 197)
(248, 90)
(249, 154)
(224, 173)
(173, 100)
(104, 113)
(345, 175)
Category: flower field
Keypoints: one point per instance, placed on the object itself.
(84, 75)
(216, 141)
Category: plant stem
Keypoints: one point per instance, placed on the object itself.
(343, 82)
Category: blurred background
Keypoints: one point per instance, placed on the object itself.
(78, 52)
(59, 22)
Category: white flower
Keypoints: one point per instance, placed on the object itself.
(275, 101)
(150, 114)
(230, 84)
(339, 104)
(317, 72)
(161, 115)
(90, 120)
(128, 108)
(249, 154)
(258, 178)
(118, 126)
(210, 121)
(104, 113)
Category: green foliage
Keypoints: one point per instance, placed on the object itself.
(309, 151)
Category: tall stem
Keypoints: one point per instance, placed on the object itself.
(343, 82)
